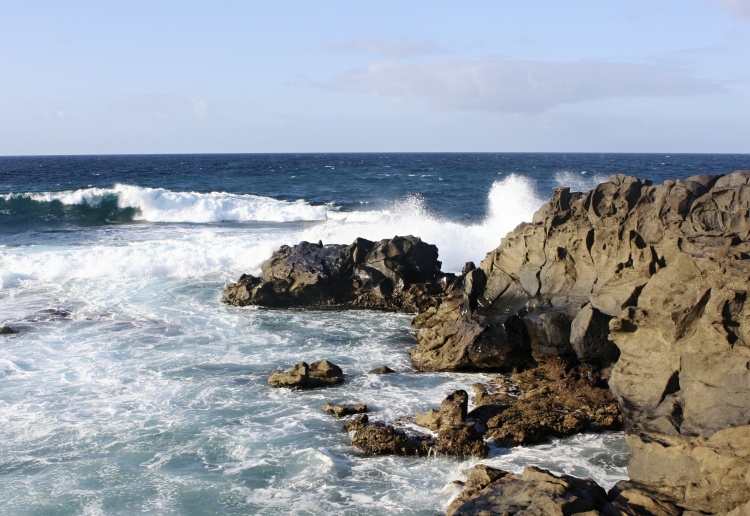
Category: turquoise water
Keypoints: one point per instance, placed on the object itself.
(130, 388)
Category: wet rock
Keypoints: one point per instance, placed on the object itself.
(382, 370)
(383, 439)
(345, 410)
(357, 423)
(303, 376)
(6, 330)
(401, 274)
(536, 491)
(556, 400)
(461, 440)
(429, 419)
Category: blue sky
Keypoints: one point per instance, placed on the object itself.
(85, 77)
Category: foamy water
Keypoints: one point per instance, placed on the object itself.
(130, 388)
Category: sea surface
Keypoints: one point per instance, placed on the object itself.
(129, 388)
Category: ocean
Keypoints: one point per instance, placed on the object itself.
(129, 388)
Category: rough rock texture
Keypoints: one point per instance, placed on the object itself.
(653, 279)
(376, 438)
(556, 400)
(345, 410)
(303, 376)
(705, 474)
(401, 273)
(455, 435)
(536, 491)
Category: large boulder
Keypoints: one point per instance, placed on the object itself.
(402, 273)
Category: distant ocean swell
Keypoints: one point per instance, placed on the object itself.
(190, 252)
(127, 203)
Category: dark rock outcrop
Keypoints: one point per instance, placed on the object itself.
(303, 376)
(7, 330)
(376, 438)
(401, 274)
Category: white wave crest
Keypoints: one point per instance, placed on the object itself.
(579, 181)
(162, 205)
(510, 202)
(186, 256)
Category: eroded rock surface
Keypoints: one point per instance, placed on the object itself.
(654, 281)
(401, 273)
(537, 491)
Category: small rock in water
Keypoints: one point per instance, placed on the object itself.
(382, 370)
(7, 330)
(345, 410)
(303, 376)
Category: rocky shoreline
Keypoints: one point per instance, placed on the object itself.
(626, 304)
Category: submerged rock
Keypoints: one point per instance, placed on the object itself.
(303, 376)
(382, 370)
(345, 410)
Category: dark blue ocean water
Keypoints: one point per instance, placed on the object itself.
(129, 388)
(452, 185)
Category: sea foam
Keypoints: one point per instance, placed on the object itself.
(162, 205)
(510, 201)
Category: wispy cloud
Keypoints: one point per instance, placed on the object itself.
(518, 86)
(740, 8)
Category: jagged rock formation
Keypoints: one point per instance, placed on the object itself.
(455, 435)
(651, 279)
(402, 274)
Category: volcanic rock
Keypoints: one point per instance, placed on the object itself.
(303, 376)
(401, 274)
(655, 280)
(556, 400)
(376, 438)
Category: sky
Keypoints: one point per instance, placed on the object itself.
(141, 77)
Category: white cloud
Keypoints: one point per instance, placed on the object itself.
(740, 8)
(518, 86)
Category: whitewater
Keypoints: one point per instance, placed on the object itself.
(130, 388)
